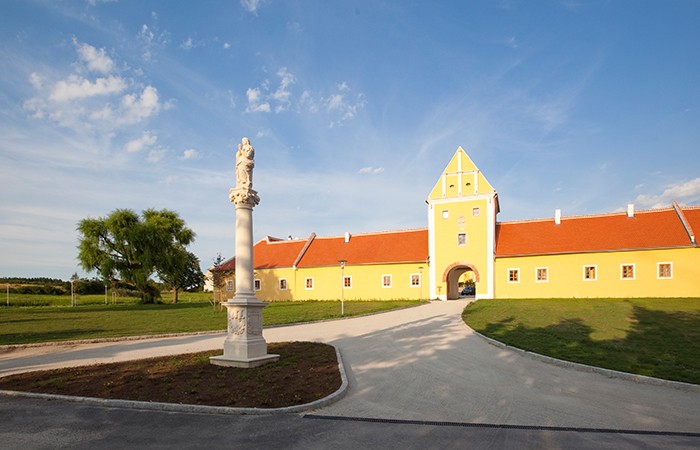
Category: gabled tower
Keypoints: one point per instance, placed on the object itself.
(462, 209)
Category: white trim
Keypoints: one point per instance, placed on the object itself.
(490, 246)
(286, 284)
(445, 214)
(347, 277)
(229, 286)
(387, 286)
(432, 269)
(420, 281)
(546, 269)
(658, 267)
(634, 271)
(595, 271)
(517, 273)
(306, 283)
(257, 284)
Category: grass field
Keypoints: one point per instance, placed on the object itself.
(22, 325)
(654, 337)
(99, 299)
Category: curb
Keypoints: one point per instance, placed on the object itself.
(610, 373)
(198, 409)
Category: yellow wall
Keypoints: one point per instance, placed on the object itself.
(565, 273)
(366, 283)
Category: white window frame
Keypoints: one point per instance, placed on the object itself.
(445, 214)
(347, 285)
(546, 273)
(418, 277)
(622, 272)
(229, 285)
(476, 211)
(286, 285)
(306, 283)
(384, 277)
(595, 271)
(670, 270)
(458, 239)
(258, 284)
(517, 275)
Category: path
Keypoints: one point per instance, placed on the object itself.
(425, 364)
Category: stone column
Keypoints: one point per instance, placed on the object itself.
(244, 345)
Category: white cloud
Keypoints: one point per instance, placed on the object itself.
(76, 87)
(187, 44)
(137, 108)
(96, 60)
(36, 80)
(251, 5)
(227, 46)
(685, 193)
(146, 140)
(156, 155)
(282, 94)
(190, 153)
(371, 170)
(342, 106)
(255, 104)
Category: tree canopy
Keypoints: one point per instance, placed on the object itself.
(133, 248)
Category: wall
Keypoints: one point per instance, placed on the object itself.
(565, 274)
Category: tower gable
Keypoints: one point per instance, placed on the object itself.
(461, 178)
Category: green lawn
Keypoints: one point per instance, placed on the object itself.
(654, 337)
(98, 299)
(21, 325)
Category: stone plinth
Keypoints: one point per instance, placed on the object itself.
(244, 345)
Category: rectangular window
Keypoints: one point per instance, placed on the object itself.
(514, 275)
(386, 281)
(627, 271)
(590, 273)
(347, 282)
(283, 284)
(542, 274)
(445, 214)
(229, 285)
(258, 285)
(462, 239)
(309, 283)
(664, 270)
(476, 212)
(415, 279)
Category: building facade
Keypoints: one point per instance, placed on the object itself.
(628, 254)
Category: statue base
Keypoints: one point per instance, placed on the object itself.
(244, 345)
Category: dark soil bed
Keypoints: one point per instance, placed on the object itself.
(305, 372)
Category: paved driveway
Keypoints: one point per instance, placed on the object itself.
(425, 364)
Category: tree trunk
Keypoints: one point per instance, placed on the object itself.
(175, 291)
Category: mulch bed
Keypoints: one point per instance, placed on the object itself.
(305, 372)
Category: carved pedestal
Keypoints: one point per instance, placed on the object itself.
(244, 345)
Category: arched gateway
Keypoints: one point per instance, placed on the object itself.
(452, 274)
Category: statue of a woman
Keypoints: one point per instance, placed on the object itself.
(245, 164)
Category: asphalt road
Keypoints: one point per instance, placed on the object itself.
(418, 378)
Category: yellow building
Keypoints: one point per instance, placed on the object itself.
(629, 254)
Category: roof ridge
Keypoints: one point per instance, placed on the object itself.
(590, 216)
(684, 221)
(371, 233)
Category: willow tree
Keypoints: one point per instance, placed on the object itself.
(132, 248)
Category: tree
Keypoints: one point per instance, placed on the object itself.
(218, 277)
(133, 247)
(182, 272)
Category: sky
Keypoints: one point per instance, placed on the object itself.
(354, 109)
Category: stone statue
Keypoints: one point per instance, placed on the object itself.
(244, 164)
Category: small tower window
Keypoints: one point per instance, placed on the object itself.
(476, 212)
(462, 239)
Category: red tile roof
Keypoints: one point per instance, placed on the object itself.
(270, 253)
(692, 216)
(381, 247)
(647, 229)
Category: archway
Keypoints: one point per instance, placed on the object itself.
(452, 275)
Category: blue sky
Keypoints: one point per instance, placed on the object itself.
(354, 109)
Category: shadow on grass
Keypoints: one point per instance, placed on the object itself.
(659, 344)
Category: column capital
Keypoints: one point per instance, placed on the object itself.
(244, 196)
